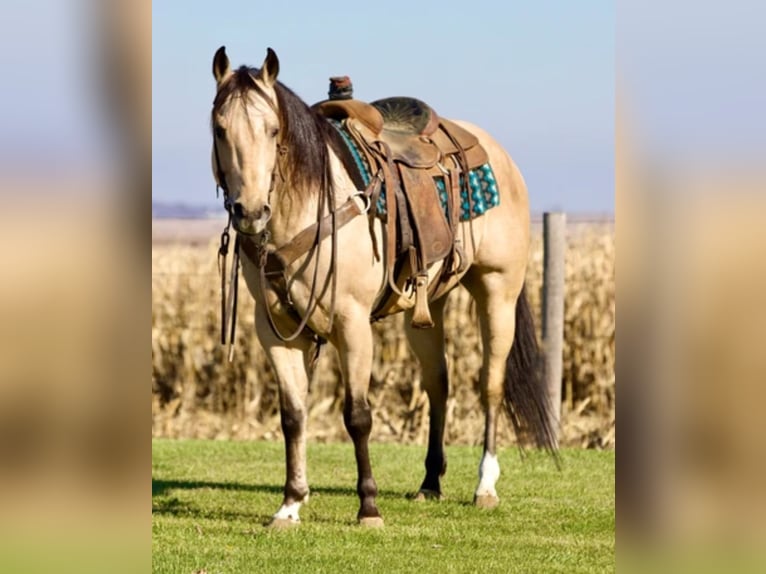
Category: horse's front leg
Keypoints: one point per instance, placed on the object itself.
(354, 344)
(291, 366)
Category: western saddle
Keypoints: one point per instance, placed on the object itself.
(408, 147)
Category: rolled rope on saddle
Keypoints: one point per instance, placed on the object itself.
(341, 88)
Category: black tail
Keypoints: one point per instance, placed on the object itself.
(526, 397)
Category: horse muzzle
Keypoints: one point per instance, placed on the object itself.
(248, 222)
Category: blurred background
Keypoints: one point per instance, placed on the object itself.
(75, 188)
(690, 203)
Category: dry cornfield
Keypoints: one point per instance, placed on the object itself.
(196, 392)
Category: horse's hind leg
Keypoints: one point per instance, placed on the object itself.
(354, 344)
(291, 365)
(428, 346)
(496, 304)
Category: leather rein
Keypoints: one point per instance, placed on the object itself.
(273, 263)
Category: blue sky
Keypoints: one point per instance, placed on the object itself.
(537, 75)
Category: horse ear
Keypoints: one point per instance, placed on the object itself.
(270, 69)
(221, 65)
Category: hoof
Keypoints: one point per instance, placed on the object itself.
(424, 495)
(282, 523)
(486, 501)
(371, 522)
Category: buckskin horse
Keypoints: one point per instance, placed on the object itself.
(347, 212)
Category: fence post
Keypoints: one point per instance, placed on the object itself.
(554, 257)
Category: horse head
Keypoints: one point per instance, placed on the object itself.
(246, 139)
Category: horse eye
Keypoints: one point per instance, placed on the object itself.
(273, 132)
(220, 132)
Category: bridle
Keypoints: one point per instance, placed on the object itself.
(277, 172)
(229, 300)
(272, 263)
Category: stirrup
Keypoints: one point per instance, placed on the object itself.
(421, 318)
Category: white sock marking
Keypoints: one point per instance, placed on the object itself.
(289, 511)
(489, 472)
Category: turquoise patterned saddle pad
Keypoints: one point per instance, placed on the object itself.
(476, 198)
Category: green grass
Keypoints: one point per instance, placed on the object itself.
(210, 500)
